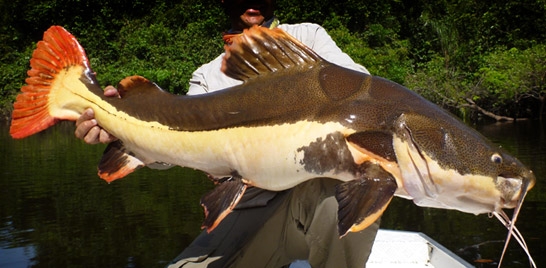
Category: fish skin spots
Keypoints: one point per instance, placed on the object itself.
(327, 154)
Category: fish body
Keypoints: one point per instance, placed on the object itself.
(296, 117)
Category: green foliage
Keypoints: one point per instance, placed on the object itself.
(390, 61)
(515, 78)
(508, 82)
(13, 69)
(448, 51)
(162, 54)
(439, 84)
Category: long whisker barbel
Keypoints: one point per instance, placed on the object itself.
(516, 234)
(510, 224)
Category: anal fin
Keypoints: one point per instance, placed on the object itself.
(117, 163)
(362, 201)
(219, 202)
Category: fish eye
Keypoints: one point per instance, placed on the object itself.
(496, 158)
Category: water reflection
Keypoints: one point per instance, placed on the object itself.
(51, 199)
(17, 257)
(56, 212)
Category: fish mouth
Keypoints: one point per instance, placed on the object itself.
(513, 190)
(510, 223)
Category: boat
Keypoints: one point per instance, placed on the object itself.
(393, 249)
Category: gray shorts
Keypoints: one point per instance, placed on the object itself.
(300, 223)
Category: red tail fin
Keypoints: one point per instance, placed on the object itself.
(57, 51)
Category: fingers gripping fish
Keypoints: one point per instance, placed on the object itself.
(296, 117)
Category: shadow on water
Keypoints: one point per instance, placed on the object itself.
(56, 212)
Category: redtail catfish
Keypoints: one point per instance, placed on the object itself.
(296, 117)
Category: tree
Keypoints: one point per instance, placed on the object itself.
(516, 78)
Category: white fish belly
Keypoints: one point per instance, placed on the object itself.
(268, 157)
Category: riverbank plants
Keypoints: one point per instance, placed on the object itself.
(474, 58)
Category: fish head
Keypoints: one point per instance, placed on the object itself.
(446, 164)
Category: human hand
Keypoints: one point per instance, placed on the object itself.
(87, 128)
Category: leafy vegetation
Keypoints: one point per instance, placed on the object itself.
(473, 57)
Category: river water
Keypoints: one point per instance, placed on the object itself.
(56, 212)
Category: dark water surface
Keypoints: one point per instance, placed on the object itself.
(56, 212)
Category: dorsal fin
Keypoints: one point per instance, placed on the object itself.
(260, 50)
(137, 85)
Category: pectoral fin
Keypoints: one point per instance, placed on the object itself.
(117, 162)
(219, 202)
(363, 201)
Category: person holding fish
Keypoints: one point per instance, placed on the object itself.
(266, 229)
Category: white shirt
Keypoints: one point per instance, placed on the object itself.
(208, 77)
